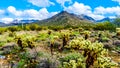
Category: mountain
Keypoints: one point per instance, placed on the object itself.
(106, 19)
(23, 21)
(65, 18)
(2, 24)
(17, 22)
(85, 17)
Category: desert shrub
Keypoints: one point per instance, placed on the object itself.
(73, 60)
(105, 26)
(117, 22)
(105, 39)
(2, 30)
(26, 61)
(33, 26)
(13, 28)
(56, 28)
(2, 43)
(117, 48)
(12, 34)
(74, 64)
(71, 56)
(10, 39)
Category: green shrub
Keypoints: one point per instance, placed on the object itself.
(71, 56)
(13, 28)
(2, 30)
(105, 26)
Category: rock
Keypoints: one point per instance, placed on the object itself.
(116, 42)
(108, 45)
(46, 63)
(8, 48)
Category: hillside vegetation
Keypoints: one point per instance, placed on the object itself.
(63, 41)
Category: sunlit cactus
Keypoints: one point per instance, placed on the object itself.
(30, 44)
(49, 32)
(65, 39)
(80, 30)
(86, 34)
(118, 31)
(91, 51)
(19, 42)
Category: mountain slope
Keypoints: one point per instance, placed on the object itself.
(65, 18)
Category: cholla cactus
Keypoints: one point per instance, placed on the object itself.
(65, 39)
(91, 51)
(71, 64)
(19, 42)
(86, 34)
(80, 29)
(52, 45)
(49, 32)
(105, 62)
(118, 31)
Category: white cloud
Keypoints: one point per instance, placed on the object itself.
(13, 10)
(80, 8)
(117, 1)
(41, 3)
(6, 20)
(108, 10)
(62, 2)
(30, 13)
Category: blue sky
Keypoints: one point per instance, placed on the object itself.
(42, 9)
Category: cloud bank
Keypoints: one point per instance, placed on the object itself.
(100, 12)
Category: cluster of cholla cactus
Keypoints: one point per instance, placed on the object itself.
(80, 30)
(23, 42)
(118, 31)
(91, 51)
(86, 34)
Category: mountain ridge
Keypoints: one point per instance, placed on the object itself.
(64, 18)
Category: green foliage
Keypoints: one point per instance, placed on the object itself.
(71, 56)
(32, 26)
(117, 22)
(10, 39)
(56, 28)
(2, 43)
(74, 64)
(42, 36)
(21, 64)
(2, 30)
(73, 60)
(26, 61)
(13, 28)
(105, 26)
